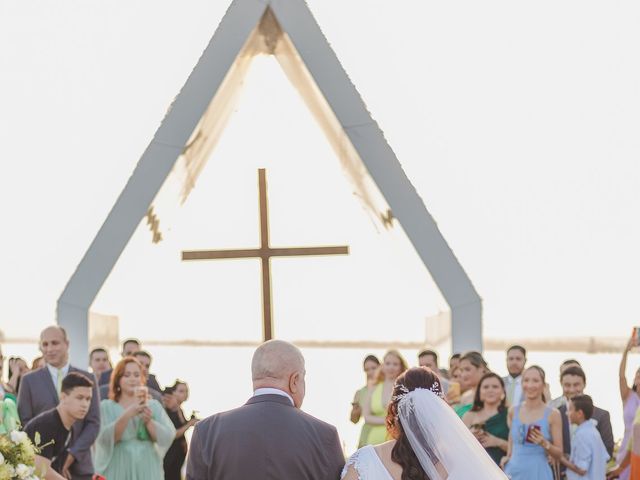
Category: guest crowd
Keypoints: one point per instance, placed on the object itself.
(116, 422)
(113, 422)
(529, 434)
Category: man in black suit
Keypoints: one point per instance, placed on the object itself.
(574, 381)
(40, 391)
(269, 437)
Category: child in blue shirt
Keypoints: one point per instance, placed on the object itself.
(588, 454)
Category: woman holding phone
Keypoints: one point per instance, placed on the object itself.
(535, 432)
(135, 431)
(630, 402)
(487, 418)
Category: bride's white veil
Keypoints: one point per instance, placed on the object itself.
(443, 444)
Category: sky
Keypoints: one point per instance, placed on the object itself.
(517, 123)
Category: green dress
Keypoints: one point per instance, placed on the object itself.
(377, 433)
(361, 395)
(498, 427)
(9, 419)
(462, 409)
(132, 458)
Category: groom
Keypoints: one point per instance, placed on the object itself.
(269, 437)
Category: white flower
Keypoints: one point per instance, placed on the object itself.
(22, 471)
(1, 459)
(19, 437)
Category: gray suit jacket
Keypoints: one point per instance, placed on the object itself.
(267, 438)
(38, 393)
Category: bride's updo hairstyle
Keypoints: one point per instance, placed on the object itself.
(402, 453)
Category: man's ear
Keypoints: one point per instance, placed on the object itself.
(294, 380)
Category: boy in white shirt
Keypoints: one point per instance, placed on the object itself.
(588, 454)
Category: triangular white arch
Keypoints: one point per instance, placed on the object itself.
(192, 126)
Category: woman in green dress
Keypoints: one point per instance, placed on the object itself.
(376, 403)
(135, 431)
(487, 418)
(472, 367)
(9, 420)
(370, 365)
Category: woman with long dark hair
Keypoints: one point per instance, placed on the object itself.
(428, 441)
(487, 418)
(370, 365)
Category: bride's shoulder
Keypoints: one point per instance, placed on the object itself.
(357, 464)
(369, 463)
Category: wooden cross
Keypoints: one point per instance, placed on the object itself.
(264, 253)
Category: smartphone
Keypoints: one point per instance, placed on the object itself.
(454, 390)
(531, 429)
(142, 394)
(636, 336)
(477, 427)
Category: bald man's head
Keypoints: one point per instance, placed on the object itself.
(54, 346)
(279, 364)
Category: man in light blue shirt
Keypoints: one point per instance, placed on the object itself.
(589, 456)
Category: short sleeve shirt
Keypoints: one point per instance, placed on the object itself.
(53, 435)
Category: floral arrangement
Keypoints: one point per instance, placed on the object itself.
(17, 457)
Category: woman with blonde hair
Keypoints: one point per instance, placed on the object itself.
(472, 368)
(374, 408)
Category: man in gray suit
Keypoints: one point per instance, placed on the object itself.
(40, 390)
(573, 382)
(269, 437)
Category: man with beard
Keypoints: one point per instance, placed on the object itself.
(516, 360)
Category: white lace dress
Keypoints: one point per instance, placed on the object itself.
(367, 464)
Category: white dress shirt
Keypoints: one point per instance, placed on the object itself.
(513, 387)
(273, 391)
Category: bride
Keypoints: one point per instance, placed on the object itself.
(429, 441)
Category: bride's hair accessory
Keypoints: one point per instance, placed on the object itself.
(442, 444)
(404, 391)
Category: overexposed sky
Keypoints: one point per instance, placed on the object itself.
(517, 123)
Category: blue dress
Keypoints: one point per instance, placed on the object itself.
(528, 460)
